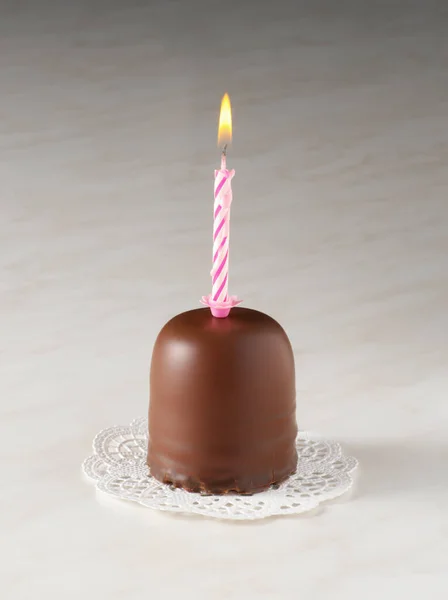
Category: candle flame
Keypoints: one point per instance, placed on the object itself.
(225, 122)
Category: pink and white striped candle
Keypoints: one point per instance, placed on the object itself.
(221, 227)
(219, 300)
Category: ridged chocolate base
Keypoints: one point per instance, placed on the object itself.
(222, 403)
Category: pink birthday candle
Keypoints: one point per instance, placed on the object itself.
(219, 300)
(223, 200)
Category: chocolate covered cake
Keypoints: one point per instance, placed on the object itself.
(222, 403)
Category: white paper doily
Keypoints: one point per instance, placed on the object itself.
(118, 466)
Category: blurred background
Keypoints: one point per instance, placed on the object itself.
(108, 123)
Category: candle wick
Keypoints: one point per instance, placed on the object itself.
(223, 156)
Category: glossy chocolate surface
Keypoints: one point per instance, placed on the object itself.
(222, 403)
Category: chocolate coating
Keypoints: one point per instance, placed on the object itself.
(222, 403)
